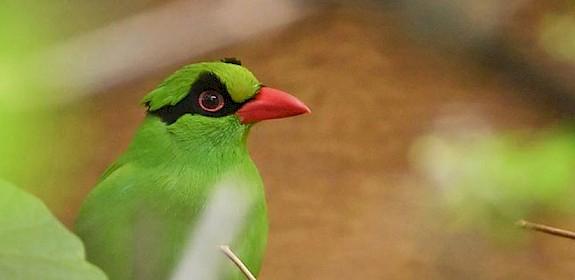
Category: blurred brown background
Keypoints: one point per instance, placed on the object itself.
(345, 200)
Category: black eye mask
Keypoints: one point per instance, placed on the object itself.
(191, 104)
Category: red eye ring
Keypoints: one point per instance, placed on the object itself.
(211, 101)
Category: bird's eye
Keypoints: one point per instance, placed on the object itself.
(211, 101)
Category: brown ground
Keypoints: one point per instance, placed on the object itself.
(343, 202)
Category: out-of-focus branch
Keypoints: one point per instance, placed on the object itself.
(243, 268)
(161, 37)
(547, 229)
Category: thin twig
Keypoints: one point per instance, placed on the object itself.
(230, 254)
(547, 229)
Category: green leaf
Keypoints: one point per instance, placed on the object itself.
(35, 245)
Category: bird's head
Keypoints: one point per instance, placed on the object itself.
(217, 98)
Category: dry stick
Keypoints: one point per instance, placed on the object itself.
(547, 229)
(226, 249)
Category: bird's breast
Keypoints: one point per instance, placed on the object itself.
(230, 212)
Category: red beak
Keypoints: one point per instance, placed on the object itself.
(269, 104)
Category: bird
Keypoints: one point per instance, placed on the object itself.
(141, 219)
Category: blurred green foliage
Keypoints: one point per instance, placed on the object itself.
(35, 143)
(489, 182)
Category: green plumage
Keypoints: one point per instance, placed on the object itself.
(138, 219)
(240, 82)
